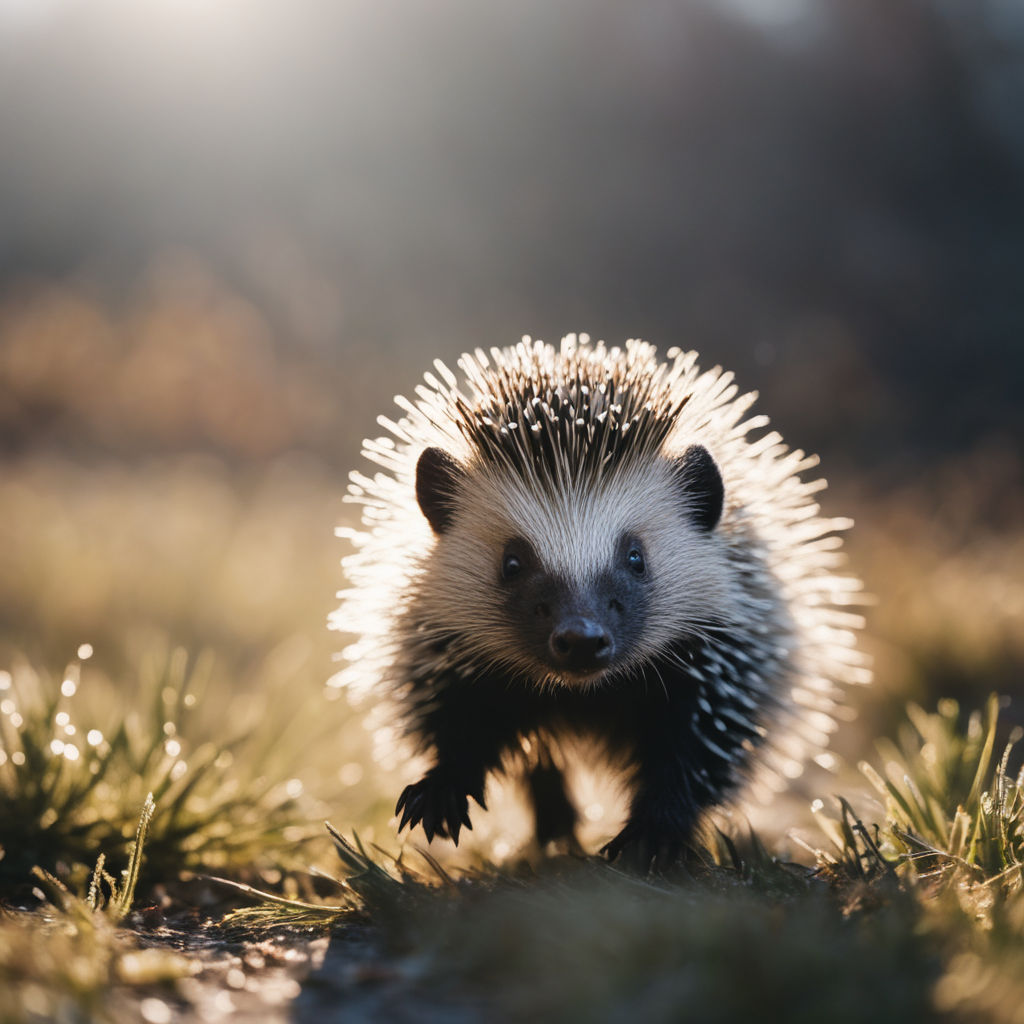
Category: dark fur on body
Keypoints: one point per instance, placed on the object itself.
(653, 726)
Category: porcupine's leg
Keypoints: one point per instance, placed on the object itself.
(554, 814)
(469, 727)
(667, 799)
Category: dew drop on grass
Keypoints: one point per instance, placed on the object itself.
(155, 1011)
(57, 747)
(71, 751)
(68, 687)
(7, 706)
(62, 718)
(5, 679)
(94, 737)
(223, 1004)
(84, 651)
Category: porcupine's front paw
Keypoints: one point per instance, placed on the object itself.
(439, 804)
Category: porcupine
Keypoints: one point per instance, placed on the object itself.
(585, 541)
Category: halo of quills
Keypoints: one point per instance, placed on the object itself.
(765, 680)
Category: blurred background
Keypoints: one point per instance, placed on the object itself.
(232, 230)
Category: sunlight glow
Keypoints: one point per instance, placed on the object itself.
(28, 14)
(771, 14)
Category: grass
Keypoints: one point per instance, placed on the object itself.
(952, 806)
(71, 960)
(918, 915)
(73, 776)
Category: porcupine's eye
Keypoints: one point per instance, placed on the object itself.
(515, 559)
(635, 561)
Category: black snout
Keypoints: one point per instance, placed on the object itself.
(581, 645)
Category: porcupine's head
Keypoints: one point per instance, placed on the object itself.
(563, 531)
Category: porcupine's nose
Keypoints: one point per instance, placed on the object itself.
(580, 645)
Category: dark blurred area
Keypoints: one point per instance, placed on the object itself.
(231, 231)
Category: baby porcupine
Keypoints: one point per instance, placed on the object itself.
(585, 542)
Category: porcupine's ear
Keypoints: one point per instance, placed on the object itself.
(701, 485)
(437, 478)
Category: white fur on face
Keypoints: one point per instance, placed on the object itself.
(575, 532)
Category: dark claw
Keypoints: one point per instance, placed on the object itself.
(453, 817)
(441, 808)
(432, 824)
(407, 805)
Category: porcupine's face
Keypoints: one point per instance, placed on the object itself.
(573, 585)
